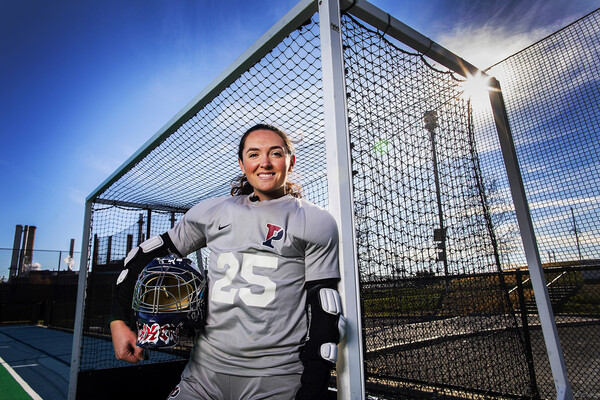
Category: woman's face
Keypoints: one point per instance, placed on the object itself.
(266, 163)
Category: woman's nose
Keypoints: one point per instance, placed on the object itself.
(265, 162)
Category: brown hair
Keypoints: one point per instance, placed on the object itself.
(240, 185)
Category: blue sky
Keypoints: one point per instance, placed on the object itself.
(83, 84)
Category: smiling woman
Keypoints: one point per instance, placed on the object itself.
(266, 163)
(273, 268)
(266, 158)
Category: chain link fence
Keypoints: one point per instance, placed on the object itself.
(552, 95)
(575, 296)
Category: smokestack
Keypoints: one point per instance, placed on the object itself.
(14, 262)
(22, 259)
(29, 245)
(26, 254)
(71, 251)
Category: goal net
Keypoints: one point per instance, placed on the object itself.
(437, 309)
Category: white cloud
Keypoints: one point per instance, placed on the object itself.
(78, 196)
(485, 45)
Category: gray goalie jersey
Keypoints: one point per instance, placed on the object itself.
(261, 254)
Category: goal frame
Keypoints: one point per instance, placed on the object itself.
(351, 375)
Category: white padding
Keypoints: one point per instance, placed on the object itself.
(330, 301)
(342, 327)
(122, 276)
(151, 244)
(131, 254)
(329, 352)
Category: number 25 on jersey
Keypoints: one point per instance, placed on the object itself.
(228, 261)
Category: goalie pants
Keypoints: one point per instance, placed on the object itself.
(200, 383)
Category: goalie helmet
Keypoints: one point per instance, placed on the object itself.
(169, 296)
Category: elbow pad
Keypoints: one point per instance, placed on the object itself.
(135, 262)
(326, 323)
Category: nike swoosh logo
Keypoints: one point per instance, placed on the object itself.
(223, 227)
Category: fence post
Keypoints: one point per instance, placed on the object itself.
(535, 394)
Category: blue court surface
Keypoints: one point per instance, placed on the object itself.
(40, 356)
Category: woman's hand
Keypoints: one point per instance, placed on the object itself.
(124, 343)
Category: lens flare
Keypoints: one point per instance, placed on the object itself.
(476, 89)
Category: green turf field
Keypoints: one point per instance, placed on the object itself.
(11, 389)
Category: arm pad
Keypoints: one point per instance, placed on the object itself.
(135, 262)
(326, 324)
(323, 310)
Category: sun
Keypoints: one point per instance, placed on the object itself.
(476, 88)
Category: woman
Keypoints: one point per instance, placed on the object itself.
(272, 255)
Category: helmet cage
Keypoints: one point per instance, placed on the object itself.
(167, 288)
(168, 294)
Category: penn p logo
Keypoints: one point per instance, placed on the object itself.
(274, 232)
(175, 392)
